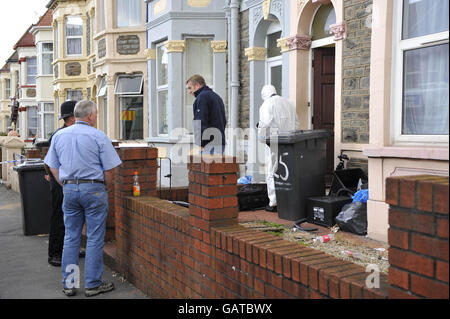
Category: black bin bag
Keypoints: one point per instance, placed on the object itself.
(353, 218)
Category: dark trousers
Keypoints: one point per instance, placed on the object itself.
(57, 230)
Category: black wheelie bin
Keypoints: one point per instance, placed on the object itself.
(301, 171)
(35, 198)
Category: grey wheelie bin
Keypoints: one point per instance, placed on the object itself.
(301, 171)
(35, 198)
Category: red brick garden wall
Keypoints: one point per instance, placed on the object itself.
(168, 251)
(418, 236)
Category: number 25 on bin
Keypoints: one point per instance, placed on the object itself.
(285, 177)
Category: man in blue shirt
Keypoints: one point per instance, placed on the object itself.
(81, 159)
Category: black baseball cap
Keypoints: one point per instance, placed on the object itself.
(67, 109)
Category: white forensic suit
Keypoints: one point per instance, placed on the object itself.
(276, 113)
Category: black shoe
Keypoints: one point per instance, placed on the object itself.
(82, 253)
(69, 292)
(55, 261)
(104, 287)
(270, 208)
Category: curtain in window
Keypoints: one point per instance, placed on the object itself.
(102, 15)
(422, 17)
(32, 118)
(128, 13)
(47, 58)
(7, 88)
(74, 34)
(425, 92)
(31, 70)
(48, 120)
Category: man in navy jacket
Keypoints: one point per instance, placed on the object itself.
(209, 116)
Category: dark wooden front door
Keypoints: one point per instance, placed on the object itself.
(324, 100)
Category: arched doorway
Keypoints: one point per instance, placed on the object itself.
(322, 88)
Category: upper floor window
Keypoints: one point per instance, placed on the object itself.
(7, 88)
(31, 70)
(56, 39)
(101, 13)
(74, 35)
(421, 82)
(46, 58)
(88, 34)
(128, 13)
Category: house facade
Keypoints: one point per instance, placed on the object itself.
(73, 53)
(120, 69)
(47, 119)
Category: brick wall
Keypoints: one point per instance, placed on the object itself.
(418, 236)
(168, 251)
(356, 72)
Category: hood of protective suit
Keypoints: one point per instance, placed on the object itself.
(267, 91)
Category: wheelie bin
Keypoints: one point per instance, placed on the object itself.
(300, 171)
(35, 198)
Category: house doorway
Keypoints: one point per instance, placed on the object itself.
(323, 79)
(323, 113)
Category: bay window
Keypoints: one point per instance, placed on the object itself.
(162, 89)
(128, 13)
(199, 60)
(31, 70)
(46, 58)
(421, 62)
(74, 35)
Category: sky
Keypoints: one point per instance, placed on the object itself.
(15, 18)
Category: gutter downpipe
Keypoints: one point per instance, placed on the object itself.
(234, 58)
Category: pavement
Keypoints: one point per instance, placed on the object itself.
(24, 270)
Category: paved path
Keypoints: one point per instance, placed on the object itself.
(24, 271)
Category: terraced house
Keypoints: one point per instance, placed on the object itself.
(371, 72)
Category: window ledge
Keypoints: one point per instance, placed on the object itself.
(424, 153)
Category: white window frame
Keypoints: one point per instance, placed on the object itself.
(128, 25)
(127, 76)
(160, 88)
(66, 37)
(29, 127)
(41, 58)
(27, 70)
(399, 47)
(41, 114)
(7, 89)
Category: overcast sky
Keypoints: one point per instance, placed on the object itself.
(15, 18)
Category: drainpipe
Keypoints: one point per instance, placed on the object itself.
(234, 58)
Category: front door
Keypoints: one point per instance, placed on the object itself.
(323, 115)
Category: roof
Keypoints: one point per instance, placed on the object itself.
(13, 58)
(46, 19)
(27, 40)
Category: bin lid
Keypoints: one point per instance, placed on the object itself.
(300, 135)
(29, 166)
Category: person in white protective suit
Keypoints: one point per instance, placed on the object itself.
(277, 114)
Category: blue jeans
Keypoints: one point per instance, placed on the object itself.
(84, 202)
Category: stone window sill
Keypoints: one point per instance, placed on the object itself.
(423, 153)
